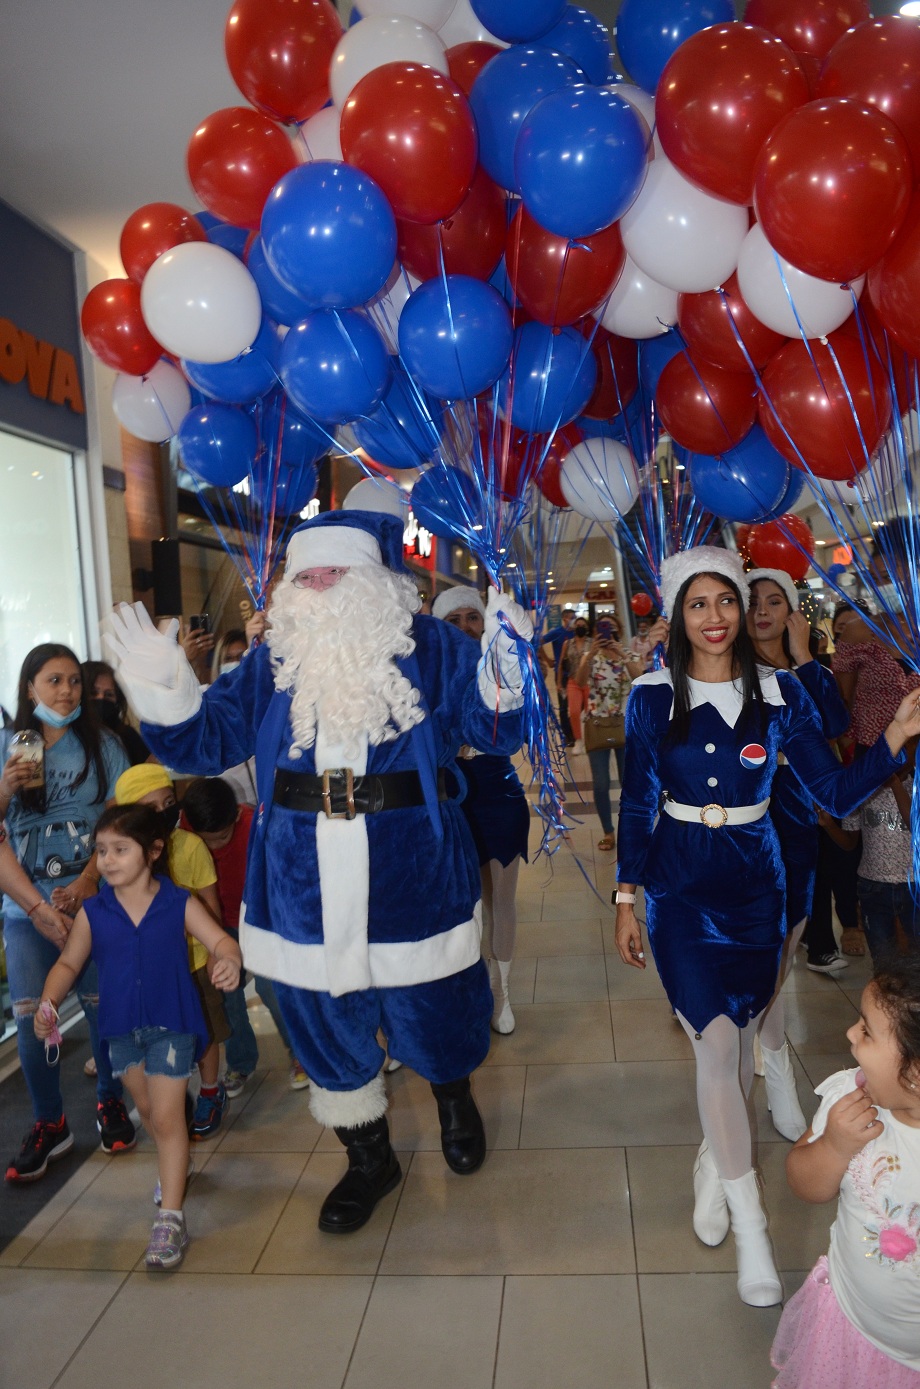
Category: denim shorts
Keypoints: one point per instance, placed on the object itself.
(159, 1051)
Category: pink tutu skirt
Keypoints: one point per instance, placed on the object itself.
(816, 1347)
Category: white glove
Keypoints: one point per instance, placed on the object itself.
(501, 677)
(151, 665)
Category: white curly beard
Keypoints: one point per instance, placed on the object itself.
(335, 651)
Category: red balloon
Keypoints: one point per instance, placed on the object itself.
(814, 407)
(511, 453)
(114, 328)
(808, 26)
(558, 280)
(279, 51)
(472, 240)
(234, 160)
(775, 545)
(878, 63)
(742, 531)
(866, 328)
(641, 604)
(706, 322)
(722, 93)
(617, 376)
(412, 130)
(465, 61)
(153, 229)
(894, 283)
(832, 188)
(704, 408)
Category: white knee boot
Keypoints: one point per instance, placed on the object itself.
(710, 1208)
(782, 1099)
(502, 1016)
(758, 1280)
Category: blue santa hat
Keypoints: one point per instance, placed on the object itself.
(347, 538)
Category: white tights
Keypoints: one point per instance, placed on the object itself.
(724, 1076)
(773, 1026)
(499, 910)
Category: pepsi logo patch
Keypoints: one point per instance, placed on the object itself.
(753, 756)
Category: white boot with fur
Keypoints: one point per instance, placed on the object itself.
(502, 1016)
(758, 1280)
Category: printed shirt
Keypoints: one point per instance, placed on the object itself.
(886, 853)
(608, 688)
(881, 684)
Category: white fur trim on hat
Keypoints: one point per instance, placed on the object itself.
(702, 559)
(453, 599)
(781, 579)
(317, 546)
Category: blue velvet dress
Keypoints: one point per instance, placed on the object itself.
(715, 898)
(495, 807)
(792, 806)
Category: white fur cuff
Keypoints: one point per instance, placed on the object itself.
(348, 1109)
(158, 704)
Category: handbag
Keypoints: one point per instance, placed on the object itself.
(604, 731)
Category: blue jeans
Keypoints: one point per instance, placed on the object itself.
(882, 904)
(29, 958)
(241, 1047)
(599, 759)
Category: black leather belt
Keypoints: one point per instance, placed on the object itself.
(340, 795)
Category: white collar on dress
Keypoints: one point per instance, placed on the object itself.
(725, 696)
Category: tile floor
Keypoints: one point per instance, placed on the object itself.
(567, 1261)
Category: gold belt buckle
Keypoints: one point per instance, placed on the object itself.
(349, 812)
(719, 810)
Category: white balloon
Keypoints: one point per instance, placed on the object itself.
(201, 302)
(644, 105)
(464, 26)
(434, 13)
(383, 39)
(639, 307)
(682, 237)
(821, 305)
(599, 479)
(370, 495)
(319, 138)
(152, 407)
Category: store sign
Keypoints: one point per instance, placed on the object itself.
(418, 544)
(41, 385)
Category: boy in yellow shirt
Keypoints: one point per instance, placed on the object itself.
(191, 867)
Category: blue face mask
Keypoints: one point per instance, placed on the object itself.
(54, 720)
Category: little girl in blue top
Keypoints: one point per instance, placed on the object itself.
(149, 1010)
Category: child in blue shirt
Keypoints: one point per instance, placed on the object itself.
(149, 1011)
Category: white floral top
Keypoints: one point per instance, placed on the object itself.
(874, 1258)
(608, 687)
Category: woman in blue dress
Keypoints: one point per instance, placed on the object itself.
(702, 742)
(498, 815)
(781, 635)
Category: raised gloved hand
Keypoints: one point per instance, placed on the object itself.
(501, 676)
(151, 665)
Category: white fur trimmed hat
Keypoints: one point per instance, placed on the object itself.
(781, 579)
(702, 559)
(452, 599)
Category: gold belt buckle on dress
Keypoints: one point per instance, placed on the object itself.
(717, 810)
(349, 812)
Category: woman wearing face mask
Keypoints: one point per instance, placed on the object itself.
(50, 828)
(111, 707)
(705, 734)
(229, 651)
(573, 652)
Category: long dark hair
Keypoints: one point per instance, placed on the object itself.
(144, 825)
(680, 654)
(91, 672)
(787, 649)
(85, 727)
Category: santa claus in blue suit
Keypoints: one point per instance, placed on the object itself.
(362, 883)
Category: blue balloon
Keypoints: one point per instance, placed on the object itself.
(649, 31)
(289, 489)
(835, 571)
(791, 495)
(580, 160)
(218, 444)
(508, 87)
(583, 38)
(446, 502)
(334, 366)
(299, 439)
(405, 429)
(232, 238)
(329, 234)
(637, 429)
(654, 355)
(244, 379)
(516, 22)
(554, 373)
(743, 484)
(279, 303)
(455, 336)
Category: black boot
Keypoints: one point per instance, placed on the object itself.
(373, 1171)
(463, 1138)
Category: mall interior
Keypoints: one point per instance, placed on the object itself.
(569, 1259)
